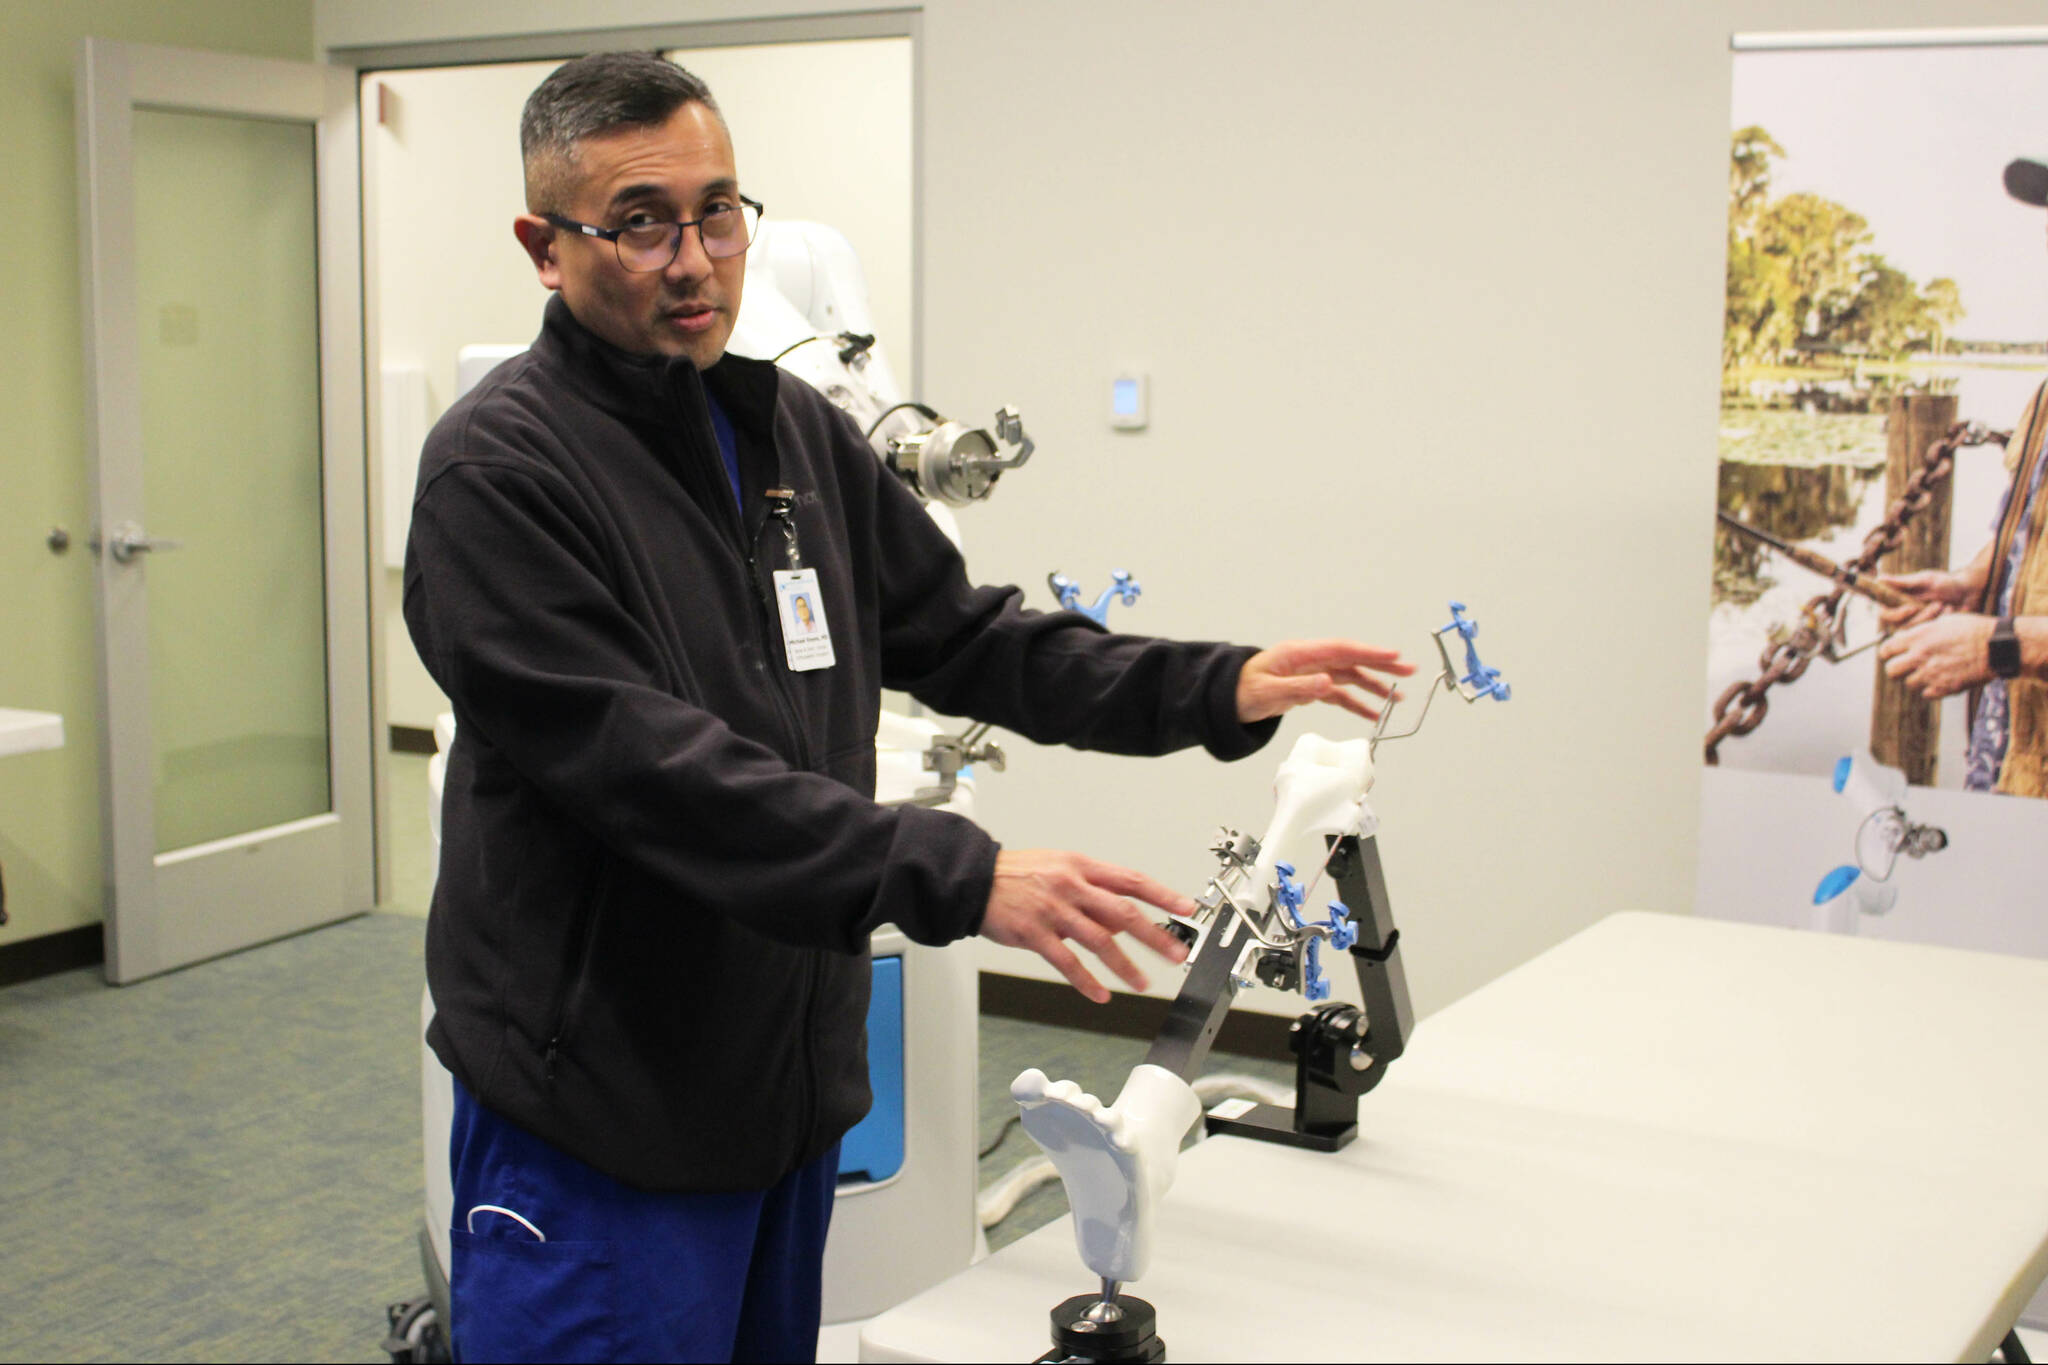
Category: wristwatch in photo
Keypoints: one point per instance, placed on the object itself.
(2005, 649)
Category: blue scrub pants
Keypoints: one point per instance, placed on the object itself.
(625, 1274)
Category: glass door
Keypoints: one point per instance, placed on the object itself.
(225, 396)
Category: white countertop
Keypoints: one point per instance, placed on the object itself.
(1684, 1137)
(24, 732)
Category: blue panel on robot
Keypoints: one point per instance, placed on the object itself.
(874, 1149)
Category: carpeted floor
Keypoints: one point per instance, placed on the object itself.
(218, 1164)
(224, 1163)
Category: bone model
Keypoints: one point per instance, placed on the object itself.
(1117, 1161)
(1319, 790)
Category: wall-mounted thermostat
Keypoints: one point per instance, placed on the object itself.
(1129, 402)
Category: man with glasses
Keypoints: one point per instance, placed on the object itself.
(661, 858)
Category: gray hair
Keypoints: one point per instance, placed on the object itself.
(590, 96)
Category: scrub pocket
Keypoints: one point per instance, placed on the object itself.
(518, 1299)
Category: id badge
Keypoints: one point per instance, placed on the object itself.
(806, 639)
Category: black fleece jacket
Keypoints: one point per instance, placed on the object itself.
(661, 858)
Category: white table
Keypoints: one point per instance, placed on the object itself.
(24, 732)
(1666, 1138)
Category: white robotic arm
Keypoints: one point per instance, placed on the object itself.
(806, 308)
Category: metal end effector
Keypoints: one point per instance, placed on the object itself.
(946, 461)
(949, 755)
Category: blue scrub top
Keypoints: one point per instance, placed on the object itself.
(728, 446)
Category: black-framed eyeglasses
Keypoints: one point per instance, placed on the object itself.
(727, 230)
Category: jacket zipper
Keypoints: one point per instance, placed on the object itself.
(572, 993)
(766, 621)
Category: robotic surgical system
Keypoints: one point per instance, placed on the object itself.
(1251, 925)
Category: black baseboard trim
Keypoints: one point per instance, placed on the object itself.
(64, 951)
(1125, 1016)
(410, 739)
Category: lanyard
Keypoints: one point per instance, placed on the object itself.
(781, 501)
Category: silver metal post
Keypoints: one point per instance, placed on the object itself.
(1108, 1310)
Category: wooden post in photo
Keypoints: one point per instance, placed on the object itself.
(1905, 731)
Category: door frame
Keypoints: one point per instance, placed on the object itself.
(112, 80)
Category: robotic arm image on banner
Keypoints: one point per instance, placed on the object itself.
(1251, 926)
(1870, 823)
(908, 1171)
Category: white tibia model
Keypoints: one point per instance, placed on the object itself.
(1116, 1160)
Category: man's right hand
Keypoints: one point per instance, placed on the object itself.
(1933, 591)
(1042, 898)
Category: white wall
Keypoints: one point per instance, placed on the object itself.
(442, 183)
(1431, 301)
(820, 130)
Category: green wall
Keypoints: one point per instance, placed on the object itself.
(49, 802)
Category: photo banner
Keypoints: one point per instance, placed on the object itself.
(1885, 324)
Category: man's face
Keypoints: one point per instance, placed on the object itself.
(663, 174)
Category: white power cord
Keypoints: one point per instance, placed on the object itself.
(996, 1202)
(999, 1200)
(1228, 1085)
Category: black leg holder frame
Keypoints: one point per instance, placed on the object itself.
(1340, 1051)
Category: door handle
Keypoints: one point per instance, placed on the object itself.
(130, 540)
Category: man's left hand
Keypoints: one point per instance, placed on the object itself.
(1943, 656)
(1277, 680)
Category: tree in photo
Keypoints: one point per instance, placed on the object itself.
(1803, 282)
